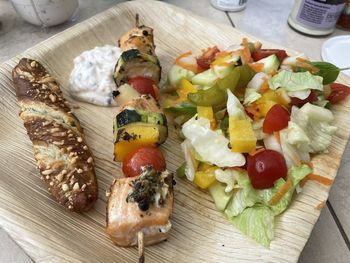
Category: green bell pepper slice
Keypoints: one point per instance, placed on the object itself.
(216, 95)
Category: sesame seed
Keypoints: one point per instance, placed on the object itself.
(70, 135)
(54, 130)
(74, 160)
(85, 148)
(70, 207)
(65, 187)
(69, 148)
(47, 177)
(58, 143)
(51, 183)
(89, 160)
(83, 187)
(79, 139)
(80, 171)
(76, 186)
(46, 172)
(59, 177)
(64, 172)
(52, 97)
(33, 64)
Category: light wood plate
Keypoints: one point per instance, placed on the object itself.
(48, 233)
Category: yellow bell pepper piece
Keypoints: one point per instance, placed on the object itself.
(270, 98)
(204, 179)
(242, 137)
(185, 88)
(208, 113)
(204, 166)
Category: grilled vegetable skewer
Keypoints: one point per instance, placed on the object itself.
(141, 247)
(138, 60)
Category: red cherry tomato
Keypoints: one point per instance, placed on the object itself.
(338, 93)
(265, 167)
(276, 119)
(143, 85)
(207, 57)
(298, 102)
(134, 161)
(263, 53)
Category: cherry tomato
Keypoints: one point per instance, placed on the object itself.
(338, 93)
(276, 119)
(298, 102)
(134, 161)
(263, 53)
(265, 167)
(143, 85)
(207, 57)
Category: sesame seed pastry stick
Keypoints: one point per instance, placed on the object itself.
(63, 158)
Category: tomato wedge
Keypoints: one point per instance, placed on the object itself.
(263, 53)
(298, 102)
(134, 161)
(276, 119)
(207, 57)
(265, 167)
(338, 93)
(143, 85)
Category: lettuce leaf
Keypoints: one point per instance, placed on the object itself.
(249, 205)
(309, 130)
(234, 106)
(250, 96)
(256, 222)
(297, 84)
(212, 146)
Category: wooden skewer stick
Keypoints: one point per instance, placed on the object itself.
(141, 247)
(137, 20)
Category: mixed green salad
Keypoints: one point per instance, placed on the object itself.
(251, 118)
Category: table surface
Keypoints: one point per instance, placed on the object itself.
(266, 19)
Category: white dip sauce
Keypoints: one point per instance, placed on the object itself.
(92, 77)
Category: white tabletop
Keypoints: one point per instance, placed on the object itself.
(266, 19)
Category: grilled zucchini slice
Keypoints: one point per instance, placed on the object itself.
(133, 63)
(128, 116)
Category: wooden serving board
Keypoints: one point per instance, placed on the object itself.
(48, 233)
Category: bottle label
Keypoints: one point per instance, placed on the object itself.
(321, 14)
(230, 3)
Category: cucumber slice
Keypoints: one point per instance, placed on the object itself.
(221, 198)
(271, 63)
(206, 78)
(177, 73)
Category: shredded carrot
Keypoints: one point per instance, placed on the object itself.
(304, 64)
(265, 86)
(321, 205)
(310, 164)
(283, 190)
(301, 59)
(277, 136)
(257, 67)
(314, 177)
(222, 54)
(257, 150)
(185, 65)
(246, 56)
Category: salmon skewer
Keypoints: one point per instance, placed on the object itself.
(140, 204)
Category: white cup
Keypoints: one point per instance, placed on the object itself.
(46, 12)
